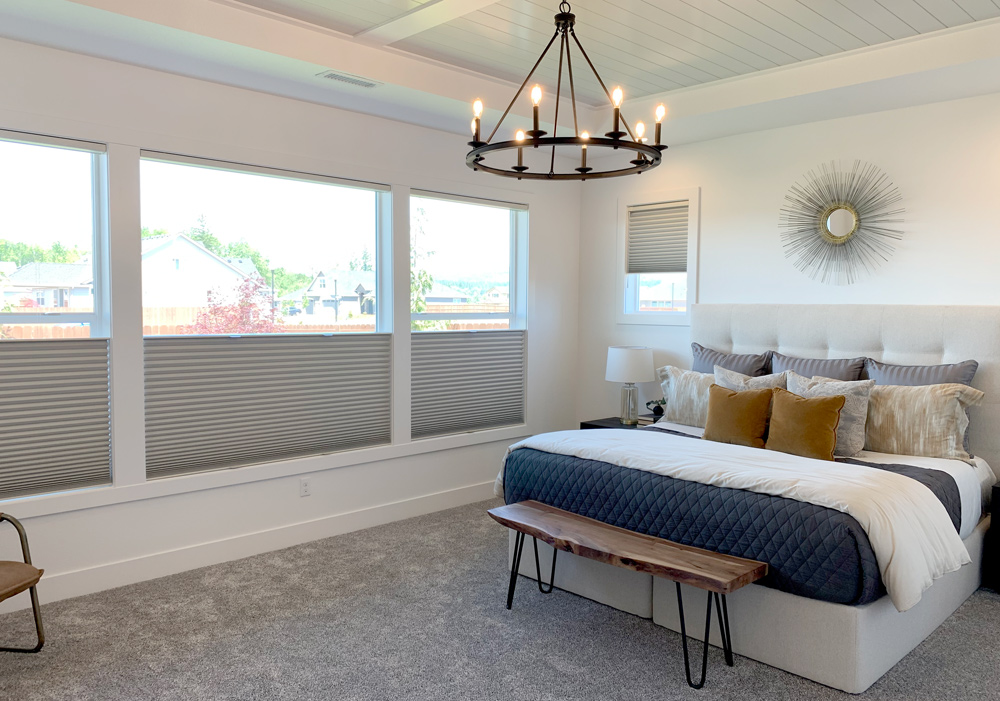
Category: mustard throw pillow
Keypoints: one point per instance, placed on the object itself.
(737, 417)
(806, 427)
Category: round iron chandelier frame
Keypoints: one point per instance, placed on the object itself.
(646, 156)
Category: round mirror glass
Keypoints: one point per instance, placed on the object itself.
(841, 222)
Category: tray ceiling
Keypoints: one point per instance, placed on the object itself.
(646, 46)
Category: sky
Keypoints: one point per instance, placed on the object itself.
(45, 196)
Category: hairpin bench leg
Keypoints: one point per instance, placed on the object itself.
(708, 624)
(518, 547)
(538, 569)
(727, 639)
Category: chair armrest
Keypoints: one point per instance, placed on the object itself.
(20, 532)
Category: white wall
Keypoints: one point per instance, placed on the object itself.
(135, 530)
(944, 157)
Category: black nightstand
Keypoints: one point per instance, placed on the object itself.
(611, 422)
(991, 548)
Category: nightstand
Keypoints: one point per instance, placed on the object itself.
(610, 422)
(991, 547)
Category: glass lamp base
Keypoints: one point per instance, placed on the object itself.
(630, 404)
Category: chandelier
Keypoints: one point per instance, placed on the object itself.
(643, 156)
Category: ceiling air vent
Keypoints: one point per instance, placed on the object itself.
(349, 78)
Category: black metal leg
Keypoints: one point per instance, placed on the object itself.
(684, 645)
(538, 568)
(727, 640)
(36, 609)
(518, 546)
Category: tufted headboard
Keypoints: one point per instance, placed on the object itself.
(903, 335)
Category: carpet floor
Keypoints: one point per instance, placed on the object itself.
(415, 610)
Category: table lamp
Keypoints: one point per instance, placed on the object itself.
(628, 365)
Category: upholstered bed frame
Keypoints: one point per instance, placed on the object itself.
(846, 647)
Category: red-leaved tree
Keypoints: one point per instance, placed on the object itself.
(249, 312)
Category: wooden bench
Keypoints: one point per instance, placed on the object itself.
(716, 573)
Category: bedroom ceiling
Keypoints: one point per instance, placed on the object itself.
(722, 67)
(647, 46)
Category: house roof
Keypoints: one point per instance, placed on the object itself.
(347, 282)
(439, 290)
(152, 244)
(244, 265)
(52, 275)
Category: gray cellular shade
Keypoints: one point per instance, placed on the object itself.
(56, 416)
(466, 381)
(218, 401)
(753, 364)
(847, 369)
(657, 236)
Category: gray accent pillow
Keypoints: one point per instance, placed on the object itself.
(730, 379)
(846, 369)
(854, 415)
(918, 375)
(921, 375)
(753, 364)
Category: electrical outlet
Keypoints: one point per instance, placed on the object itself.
(305, 487)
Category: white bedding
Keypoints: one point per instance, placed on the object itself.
(909, 529)
(974, 481)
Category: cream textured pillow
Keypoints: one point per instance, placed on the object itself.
(730, 379)
(854, 415)
(928, 420)
(686, 393)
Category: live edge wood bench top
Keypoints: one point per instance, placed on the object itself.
(714, 572)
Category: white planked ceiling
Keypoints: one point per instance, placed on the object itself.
(646, 46)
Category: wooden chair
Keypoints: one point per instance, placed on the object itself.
(16, 577)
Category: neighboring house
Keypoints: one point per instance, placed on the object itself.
(53, 285)
(180, 272)
(443, 294)
(496, 295)
(339, 294)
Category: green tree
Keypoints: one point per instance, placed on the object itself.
(23, 253)
(147, 233)
(364, 262)
(200, 233)
(421, 281)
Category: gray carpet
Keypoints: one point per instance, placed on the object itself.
(414, 610)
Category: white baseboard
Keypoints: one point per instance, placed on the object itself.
(65, 585)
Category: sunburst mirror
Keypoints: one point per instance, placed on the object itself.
(838, 222)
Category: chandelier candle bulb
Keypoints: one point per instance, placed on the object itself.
(660, 112)
(616, 100)
(519, 138)
(536, 98)
(477, 111)
(583, 150)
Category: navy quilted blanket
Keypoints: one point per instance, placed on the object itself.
(811, 551)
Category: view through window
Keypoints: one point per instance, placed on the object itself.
(48, 236)
(232, 252)
(460, 265)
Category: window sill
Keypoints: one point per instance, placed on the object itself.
(655, 319)
(95, 497)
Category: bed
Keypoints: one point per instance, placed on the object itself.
(823, 613)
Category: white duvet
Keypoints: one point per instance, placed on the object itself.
(909, 529)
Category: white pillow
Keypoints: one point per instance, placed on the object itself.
(854, 415)
(737, 381)
(686, 393)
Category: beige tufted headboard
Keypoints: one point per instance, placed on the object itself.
(904, 335)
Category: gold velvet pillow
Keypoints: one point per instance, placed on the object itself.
(806, 427)
(736, 417)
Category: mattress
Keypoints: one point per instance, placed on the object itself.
(812, 551)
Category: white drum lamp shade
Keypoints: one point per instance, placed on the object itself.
(628, 365)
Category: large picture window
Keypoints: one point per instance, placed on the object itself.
(464, 263)
(236, 250)
(51, 238)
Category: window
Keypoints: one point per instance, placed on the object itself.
(51, 257)
(234, 376)
(260, 242)
(467, 303)
(657, 249)
(56, 381)
(464, 263)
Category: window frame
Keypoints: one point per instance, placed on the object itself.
(383, 223)
(99, 319)
(625, 288)
(517, 308)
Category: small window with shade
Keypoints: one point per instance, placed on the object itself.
(657, 258)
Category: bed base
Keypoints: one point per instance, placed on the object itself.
(845, 647)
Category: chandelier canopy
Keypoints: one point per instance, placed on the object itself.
(486, 155)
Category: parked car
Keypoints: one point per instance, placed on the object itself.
(292, 311)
